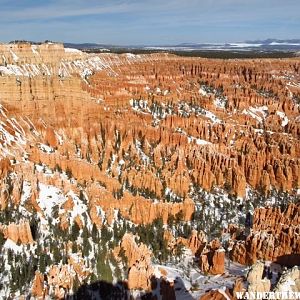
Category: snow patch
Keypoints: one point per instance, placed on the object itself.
(46, 148)
(72, 50)
(257, 113)
(10, 244)
(14, 55)
(49, 197)
(283, 117)
(199, 142)
(202, 92)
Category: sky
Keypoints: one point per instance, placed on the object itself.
(148, 22)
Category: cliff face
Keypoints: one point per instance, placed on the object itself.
(24, 54)
(258, 145)
(95, 145)
(212, 258)
(17, 232)
(274, 237)
(139, 263)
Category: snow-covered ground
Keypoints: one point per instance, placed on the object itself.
(49, 197)
(283, 117)
(84, 66)
(190, 283)
(257, 113)
(12, 134)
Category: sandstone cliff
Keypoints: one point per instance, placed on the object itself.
(274, 237)
(95, 145)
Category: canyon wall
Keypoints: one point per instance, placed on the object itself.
(95, 145)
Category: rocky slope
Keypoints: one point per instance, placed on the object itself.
(274, 237)
(111, 164)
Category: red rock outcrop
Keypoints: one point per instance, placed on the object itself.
(212, 258)
(139, 134)
(197, 242)
(38, 289)
(17, 232)
(5, 167)
(224, 293)
(59, 279)
(139, 263)
(50, 137)
(274, 237)
(219, 294)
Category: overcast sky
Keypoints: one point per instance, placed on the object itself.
(149, 21)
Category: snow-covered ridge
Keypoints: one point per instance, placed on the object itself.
(257, 113)
(161, 111)
(283, 117)
(72, 50)
(12, 134)
(64, 63)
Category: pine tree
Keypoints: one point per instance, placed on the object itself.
(1, 240)
(76, 284)
(57, 256)
(95, 234)
(106, 272)
(123, 257)
(94, 278)
(75, 231)
(42, 263)
(86, 244)
(74, 247)
(106, 235)
(69, 173)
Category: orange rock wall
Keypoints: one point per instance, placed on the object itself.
(275, 237)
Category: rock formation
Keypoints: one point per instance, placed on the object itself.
(274, 237)
(94, 145)
(232, 151)
(219, 294)
(38, 289)
(255, 279)
(17, 232)
(197, 242)
(289, 281)
(212, 258)
(139, 263)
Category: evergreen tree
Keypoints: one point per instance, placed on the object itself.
(42, 263)
(57, 256)
(74, 247)
(94, 278)
(106, 273)
(86, 244)
(75, 231)
(76, 284)
(2, 240)
(95, 234)
(106, 235)
(69, 173)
